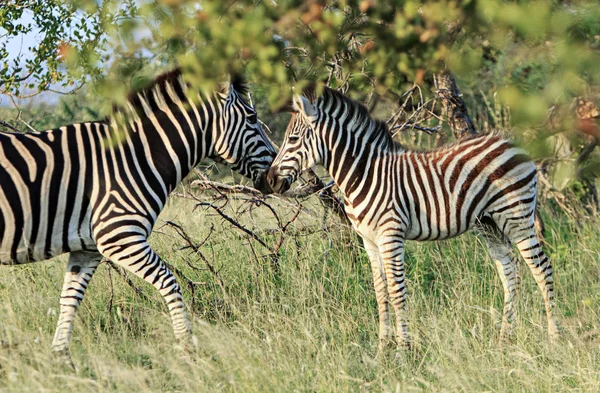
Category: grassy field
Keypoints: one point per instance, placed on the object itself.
(311, 325)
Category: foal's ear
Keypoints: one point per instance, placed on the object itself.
(305, 106)
(304, 103)
(307, 102)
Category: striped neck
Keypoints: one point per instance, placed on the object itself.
(350, 141)
(170, 128)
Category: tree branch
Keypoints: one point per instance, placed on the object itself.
(458, 117)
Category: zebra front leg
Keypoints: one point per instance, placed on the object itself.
(80, 269)
(137, 257)
(380, 285)
(392, 253)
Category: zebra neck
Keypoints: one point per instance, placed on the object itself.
(352, 156)
(173, 137)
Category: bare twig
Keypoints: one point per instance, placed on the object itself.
(409, 126)
(284, 230)
(5, 124)
(196, 248)
(205, 185)
(558, 197)
(235, 224)
(123, 273)
(20, 113)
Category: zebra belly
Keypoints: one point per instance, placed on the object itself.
(431, 234)
(26, 252)
(25, 245)
(440, 227)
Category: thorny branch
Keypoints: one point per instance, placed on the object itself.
(414, 116)
(196, 248)
(273, 247)
(235, 223)
(221, 188)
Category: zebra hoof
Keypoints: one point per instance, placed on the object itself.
(554, 331)
(188, 344)
(506, 338)
(63, 357)
(385, 345)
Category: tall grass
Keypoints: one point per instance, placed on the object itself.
(312, 325)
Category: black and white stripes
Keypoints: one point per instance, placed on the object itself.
(392, 194)
(95, 189)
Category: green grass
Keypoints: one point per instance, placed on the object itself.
(311, 326)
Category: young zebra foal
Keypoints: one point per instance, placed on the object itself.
(392, 194)
(96, 189)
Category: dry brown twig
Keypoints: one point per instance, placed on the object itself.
(196, 248)
(123, 273)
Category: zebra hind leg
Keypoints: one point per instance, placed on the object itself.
(138, 258)
(522, 234)
(80, 269)
(507, 265)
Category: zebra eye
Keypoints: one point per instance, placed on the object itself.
(294, 138)
(252, 119)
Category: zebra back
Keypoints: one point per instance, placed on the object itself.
(63, 189)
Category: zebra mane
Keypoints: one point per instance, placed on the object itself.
(174, 80)
(239, 83)
(360, 115)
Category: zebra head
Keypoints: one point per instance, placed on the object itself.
(241, 142)
(300, 149)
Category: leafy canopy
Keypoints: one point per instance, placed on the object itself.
(535, 53)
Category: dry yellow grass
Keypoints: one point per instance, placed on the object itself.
(312, 327)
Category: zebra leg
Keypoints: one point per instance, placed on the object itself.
(80, 269)
(541, 267)
(508, 270)
(522, 234)
(392, 252)
(380, 285)
(140, 259)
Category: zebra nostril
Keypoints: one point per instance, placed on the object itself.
(284, 186)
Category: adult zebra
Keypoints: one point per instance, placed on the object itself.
(392, 194)
(95, 189)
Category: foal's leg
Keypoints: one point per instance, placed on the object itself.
(381, 294)
(391, 250)
(541, 267)
(507, 265)
(521, 233)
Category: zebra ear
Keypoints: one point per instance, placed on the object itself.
(237, 83)
(225, 88)
(305, 106)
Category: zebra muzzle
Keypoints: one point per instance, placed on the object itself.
(262, 183)
(278, 184)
